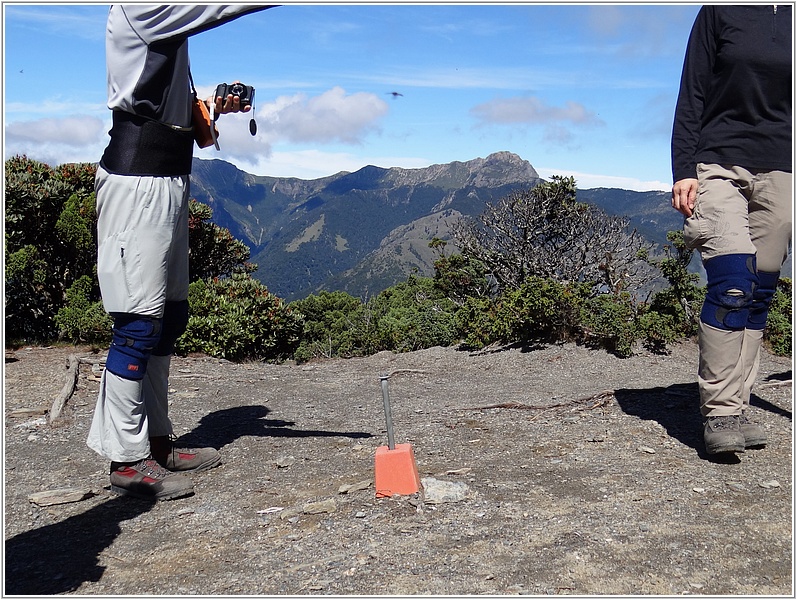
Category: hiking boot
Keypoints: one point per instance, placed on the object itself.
(183, 459)
(147, 479)
(753, 433)
(722, 434)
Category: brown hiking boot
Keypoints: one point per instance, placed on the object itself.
(147, 479)
(753, 433)
(722, 434)
(183, 459)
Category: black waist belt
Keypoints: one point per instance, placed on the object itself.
(141, 146)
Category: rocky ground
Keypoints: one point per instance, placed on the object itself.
(574, 472)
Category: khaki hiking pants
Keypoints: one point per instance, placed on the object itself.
(737, 211)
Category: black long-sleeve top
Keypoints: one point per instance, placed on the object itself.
(735, 100)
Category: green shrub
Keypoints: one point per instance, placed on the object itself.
(413, 315)
(237, 318)
(541, 310)
(214, 250)
(408, 316)
(29, 301)
(779, 321)
(476, 321)
(49, 242)
(333, 325)
(656, 330)
(608, 321)
(459, 277)
(678, 305)
(83, 320)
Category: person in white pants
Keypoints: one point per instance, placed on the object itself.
(142, 188)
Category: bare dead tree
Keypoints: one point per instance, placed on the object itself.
(545, 232)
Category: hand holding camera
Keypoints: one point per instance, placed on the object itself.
(234, 97)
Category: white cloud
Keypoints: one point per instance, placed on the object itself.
(55, 154)
(330, 117)
(590, 180)
(70, 131)
(532, 110)
(57, 141)
(639, 31)
(84, 22)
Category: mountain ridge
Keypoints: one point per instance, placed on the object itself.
(366, 230)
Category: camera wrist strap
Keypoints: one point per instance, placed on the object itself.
(252, 123)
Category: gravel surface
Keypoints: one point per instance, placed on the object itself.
(571, 472)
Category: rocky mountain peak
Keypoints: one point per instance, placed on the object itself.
(499, 168)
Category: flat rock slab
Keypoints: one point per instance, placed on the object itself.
(62, 496)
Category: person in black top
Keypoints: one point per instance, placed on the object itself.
(731, 164)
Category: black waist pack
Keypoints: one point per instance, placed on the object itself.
(142, 146)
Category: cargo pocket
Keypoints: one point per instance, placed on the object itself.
(695, 233)
(119, 272)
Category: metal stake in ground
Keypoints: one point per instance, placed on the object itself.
(391, 442)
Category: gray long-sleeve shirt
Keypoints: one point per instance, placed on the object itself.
(149, 84)
(147, 56)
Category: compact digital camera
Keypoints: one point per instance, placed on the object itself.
(245, 92)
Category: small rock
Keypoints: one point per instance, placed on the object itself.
(699, 490)
(61, 496)
(324, 506)
(462, 471)
(359, 515)
(647, 449)
(439, 492)
(290, 514)
(34, 424)
(770, 483)
(27, 412)
(735, 486)
(283, 462)
(354, 487)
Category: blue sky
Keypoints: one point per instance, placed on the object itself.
(582, 90)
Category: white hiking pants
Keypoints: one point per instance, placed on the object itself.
(148, 218)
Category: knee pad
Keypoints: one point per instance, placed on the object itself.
(732, 280)
(762, 298)
(134, 338)
(175, 320)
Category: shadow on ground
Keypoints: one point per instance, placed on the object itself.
(223, 427)
(677, 409)
(58, 558)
